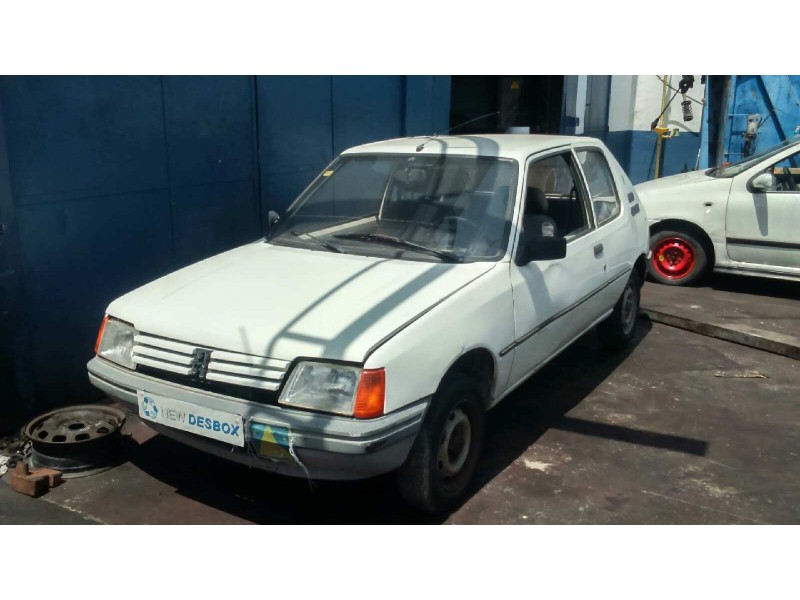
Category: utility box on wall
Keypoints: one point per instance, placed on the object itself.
(111, 182)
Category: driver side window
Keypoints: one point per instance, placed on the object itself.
(554, 198)
(787, 174)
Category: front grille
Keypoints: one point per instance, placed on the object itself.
(226, 389)
(229, 369)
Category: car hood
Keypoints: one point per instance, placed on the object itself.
(284, 303)
(682, 179)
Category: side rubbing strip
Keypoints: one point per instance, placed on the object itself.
(508, 348)
(765, 243)
(631, 197)
(560, 314)
(635, 209)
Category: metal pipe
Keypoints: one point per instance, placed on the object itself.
(660, 140)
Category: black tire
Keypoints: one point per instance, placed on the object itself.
(618, 329)
(684, 241)
(424, 481)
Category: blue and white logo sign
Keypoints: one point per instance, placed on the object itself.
(150, 408)
(194, 418)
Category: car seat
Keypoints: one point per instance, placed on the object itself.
(536, 221)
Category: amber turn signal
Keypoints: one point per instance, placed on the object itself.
(371, 394)
(100, 334)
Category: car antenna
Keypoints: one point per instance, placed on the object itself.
(422, 145)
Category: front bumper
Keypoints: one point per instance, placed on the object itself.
(328, 446)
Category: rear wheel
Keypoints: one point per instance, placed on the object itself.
(439, 468)
(678, 258)
(617, 330)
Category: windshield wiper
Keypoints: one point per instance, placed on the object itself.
(322, 243)
(395, 241)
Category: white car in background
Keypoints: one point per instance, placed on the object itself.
(411, 287)
(741, 218)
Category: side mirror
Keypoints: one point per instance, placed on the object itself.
(540, 248)
(272, 218)
(764, 182)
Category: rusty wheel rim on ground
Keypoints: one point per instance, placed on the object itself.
(674, 258)
(76, 440)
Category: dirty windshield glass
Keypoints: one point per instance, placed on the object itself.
(417, 207)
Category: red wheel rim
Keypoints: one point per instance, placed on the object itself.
(673, 258)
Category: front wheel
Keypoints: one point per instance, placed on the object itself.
(439, 468)
(677, 258)
(617, 330)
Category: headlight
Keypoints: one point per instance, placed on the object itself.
(338, 389)
(115, 342)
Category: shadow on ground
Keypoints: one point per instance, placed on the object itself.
(756, 286)
(513, 426)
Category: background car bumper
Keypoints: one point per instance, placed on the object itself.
(327, 446)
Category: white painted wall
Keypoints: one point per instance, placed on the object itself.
(621, 102)
(648, 94)
(634, 101)
(580, 103)
(575, 100)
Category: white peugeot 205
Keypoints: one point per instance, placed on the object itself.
(413, 285)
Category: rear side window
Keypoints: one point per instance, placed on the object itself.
(605, 199)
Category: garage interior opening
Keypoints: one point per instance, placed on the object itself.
(532, 102)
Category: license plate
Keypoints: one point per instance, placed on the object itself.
(215, 424)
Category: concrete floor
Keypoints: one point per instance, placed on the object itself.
(666, 432)
(762, 313)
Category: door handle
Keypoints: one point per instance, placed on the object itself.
(598, 250)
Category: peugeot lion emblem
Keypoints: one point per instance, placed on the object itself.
(199, 365)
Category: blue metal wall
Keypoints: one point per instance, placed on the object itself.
(774, 98)
(117, 180)
(636, 152)
(304, 122)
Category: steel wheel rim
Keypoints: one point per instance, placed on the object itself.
(628, 309)
(74, 425)
(674, 258)
(454, 444)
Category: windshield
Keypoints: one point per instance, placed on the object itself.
(733, 169)
(415, 207)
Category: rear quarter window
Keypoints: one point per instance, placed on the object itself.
(605, 198)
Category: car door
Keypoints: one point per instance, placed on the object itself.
(555, 300)
(615, 229)
(762, 226)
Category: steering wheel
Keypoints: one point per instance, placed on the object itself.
(471, 227)
(789, 179)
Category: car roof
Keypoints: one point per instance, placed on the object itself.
(517, 146)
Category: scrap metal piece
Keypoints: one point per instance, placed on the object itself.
(740, 374)
(76, 440)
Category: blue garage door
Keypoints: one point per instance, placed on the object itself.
(117, 181)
